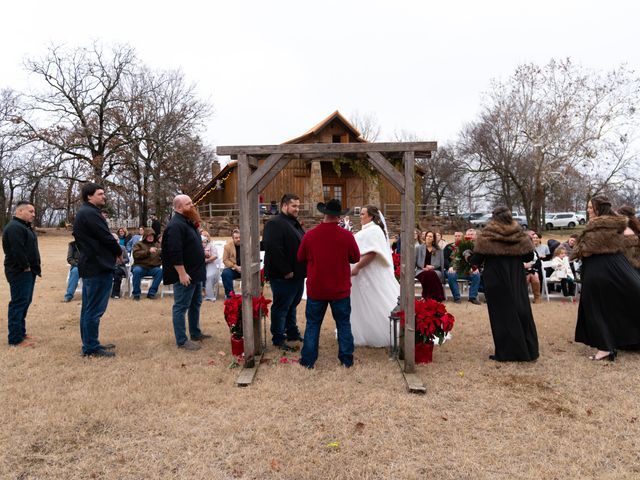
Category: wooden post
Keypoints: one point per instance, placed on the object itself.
(408, 260)
(254, 271)
(245, 252)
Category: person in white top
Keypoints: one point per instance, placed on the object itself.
(212, 263)
(374, 288)
(562, 272)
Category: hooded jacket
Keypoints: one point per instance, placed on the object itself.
(142, 255)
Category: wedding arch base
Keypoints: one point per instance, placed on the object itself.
(258, 165)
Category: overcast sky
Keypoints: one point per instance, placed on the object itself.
(273, 69)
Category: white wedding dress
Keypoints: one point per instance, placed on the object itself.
(374, 291)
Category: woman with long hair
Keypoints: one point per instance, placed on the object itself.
(430, 268)
(631, 239)
(502, 247)
(374, 288)
(607, 317)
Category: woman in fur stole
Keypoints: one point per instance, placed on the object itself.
(631, 240)
(502, 247)
(607, 314)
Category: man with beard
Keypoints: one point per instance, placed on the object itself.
(281, 239)
(232, 261)
(450, 248)
(98, 252)
(183, 266)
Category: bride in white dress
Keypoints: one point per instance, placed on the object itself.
(374, 288)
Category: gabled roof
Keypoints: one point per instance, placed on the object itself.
(209, 186)
(324, 123)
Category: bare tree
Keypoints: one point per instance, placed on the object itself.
(367, 124)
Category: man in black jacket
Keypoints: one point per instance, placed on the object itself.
(281, 239)
(98, 252)
(183, 266)
(21, 266)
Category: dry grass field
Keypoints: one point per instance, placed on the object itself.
(157, 412)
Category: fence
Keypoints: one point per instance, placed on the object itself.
(208, 210)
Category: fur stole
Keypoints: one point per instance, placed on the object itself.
(631, 250)
(503, 240)
(602, 235)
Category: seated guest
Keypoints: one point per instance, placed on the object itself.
(120, 271)
(541, 249)
(135, 239)
(569, 244)
(212, 263)
(450, 248)
(73, 254)
(562, 272)
(461, 268)
(440, 242)
(533, 267)
(553, 244)
(147, 262)
(430, 268)
(123, 237)
(232, 261)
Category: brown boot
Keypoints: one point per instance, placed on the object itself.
(535, 288)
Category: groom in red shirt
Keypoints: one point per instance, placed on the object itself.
(328, 251)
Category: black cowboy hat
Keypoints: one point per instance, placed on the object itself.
(332, 207)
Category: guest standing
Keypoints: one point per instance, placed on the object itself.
(212, 264)
(281, 239)
(607, 314)
(328, 251)
(502, 247)
(21, 266)
(73, 255)
(98, 253)
(183, 267)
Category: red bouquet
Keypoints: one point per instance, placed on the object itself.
(233, 312)
(396, 265)
(432, 321)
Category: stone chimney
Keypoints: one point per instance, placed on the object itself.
(215, 168)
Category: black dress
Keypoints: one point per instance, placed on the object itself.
(608, 317)
(505, 288)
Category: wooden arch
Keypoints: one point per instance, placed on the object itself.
(254, 176)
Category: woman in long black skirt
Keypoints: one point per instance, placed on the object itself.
(503, 247)
(607, 315)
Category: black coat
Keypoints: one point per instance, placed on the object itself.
(20, 246)
(280, 240)
(98, 248)
(182, 245)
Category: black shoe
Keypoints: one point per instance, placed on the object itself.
(99, 353)
(202, 336)
(295, 338)
(151, 297)
(286, 348)
(457, 300)
(137, 298)
(611, 357)
(475, 301)
(108, 346)
(493, 357)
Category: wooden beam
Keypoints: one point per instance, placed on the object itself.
(245, 252)
(387, 170)
(414, 382)
(254, 271)
(408, 260)
(248, 374)
(419, 148)
(271, 174)
(268, 164)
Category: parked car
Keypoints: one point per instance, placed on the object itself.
(481, 221)
(522, 220)
(560, 220)
(472, 215)
(582, 217)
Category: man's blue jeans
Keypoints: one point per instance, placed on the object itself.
(74, 276)
(139, 272)
(474, 284)
(287, 294)
(341, 311)
(95, 298)
(21, 289)
(228, 276)
(186, 299)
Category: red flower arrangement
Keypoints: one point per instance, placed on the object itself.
(396, 265)
(233, 312)
(432, 321)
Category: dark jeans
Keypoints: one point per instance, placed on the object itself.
(118, 274)
(228, 276)
(341, 311)
(21, 289)
(287, 294)
(95, 298)
(139, 272)
(568, 287)
(186, 299)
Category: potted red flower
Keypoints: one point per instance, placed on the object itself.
(432, 322)
(233, 317)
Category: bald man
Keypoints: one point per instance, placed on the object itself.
(21, 266)
(183, 267)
